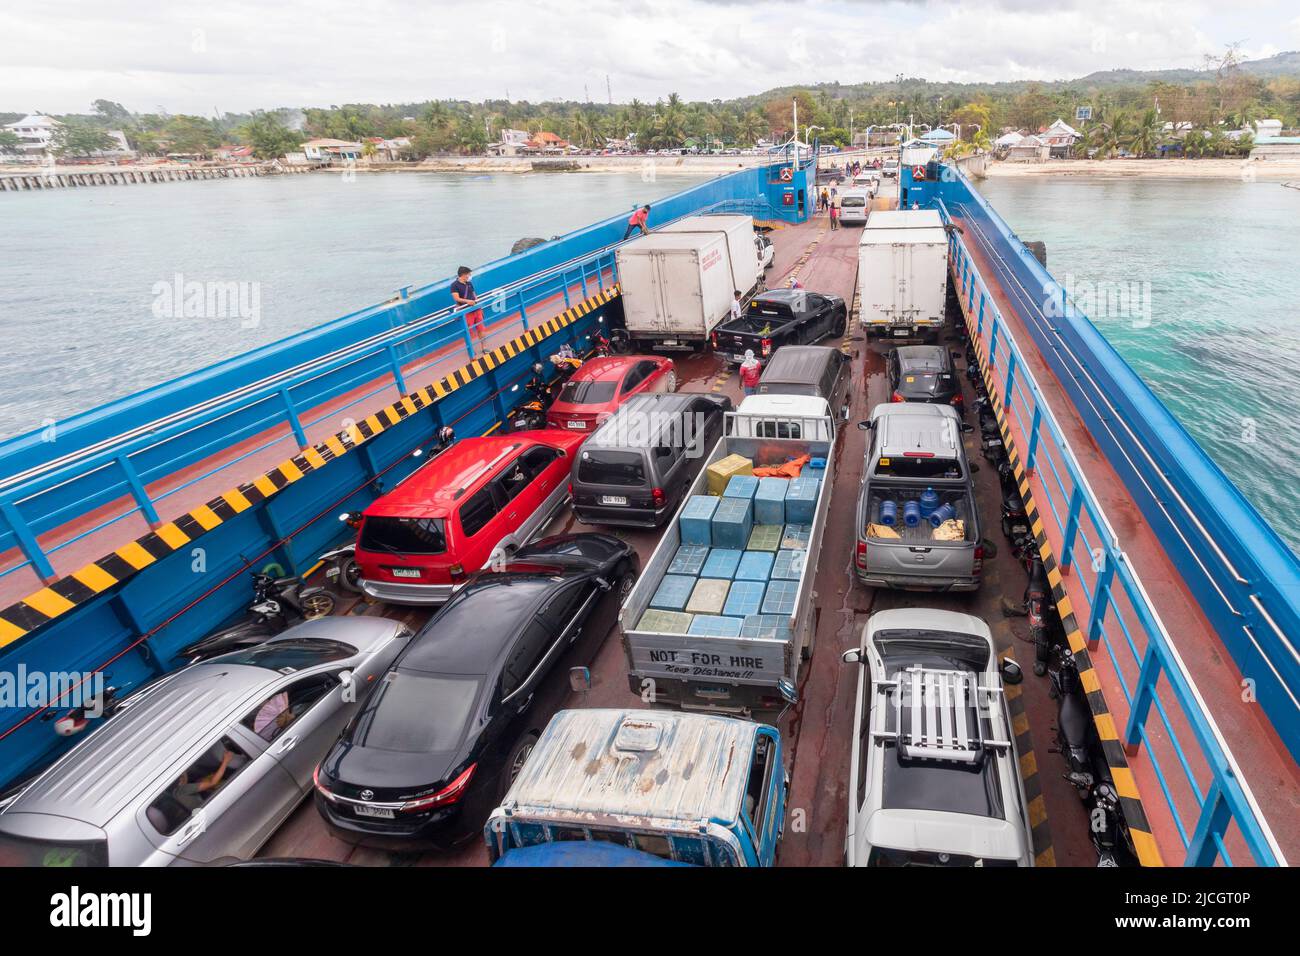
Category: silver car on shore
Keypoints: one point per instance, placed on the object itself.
(202, 766)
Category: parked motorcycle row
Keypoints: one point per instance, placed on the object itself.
(1076, 736)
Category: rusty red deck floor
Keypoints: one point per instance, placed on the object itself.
(819, 729)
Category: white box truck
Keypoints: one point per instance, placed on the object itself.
(903, 273)
(678, 285)
(746, 269)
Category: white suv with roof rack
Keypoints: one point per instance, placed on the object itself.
(934, 776)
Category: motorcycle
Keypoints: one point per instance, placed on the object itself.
(1077, 741)
(991, 445)
(277, 604)
(1015, 517)
(531, 414)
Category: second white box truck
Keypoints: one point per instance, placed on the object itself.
(903, 273)
(677, 284)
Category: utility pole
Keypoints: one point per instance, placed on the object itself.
(609, 90)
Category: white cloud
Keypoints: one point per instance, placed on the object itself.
(198, 57)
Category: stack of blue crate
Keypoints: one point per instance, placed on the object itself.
(733, 519)
(780, 597)
(673, 592)
(745, 598)
(689, 559)
(664, 622)
(696, 522)
(770, 626)
(721, 563)
(755, 566)
(741, 486)
(801, 500)
(708, 596)
(713, 625)
(788, 565)
(765, 537)
(769, 501)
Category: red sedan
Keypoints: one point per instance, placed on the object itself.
(603, 384)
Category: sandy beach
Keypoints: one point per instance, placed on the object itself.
(1270, 169)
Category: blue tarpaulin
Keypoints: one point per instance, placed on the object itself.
(581, 853)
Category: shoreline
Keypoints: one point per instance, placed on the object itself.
(1104, 169)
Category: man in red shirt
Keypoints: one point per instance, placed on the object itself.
(750, 372)
(638, 221)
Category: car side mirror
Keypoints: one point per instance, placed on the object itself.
(785, 687)
(852, 656)
(864, 426)
(1011, 672)
(967, 427)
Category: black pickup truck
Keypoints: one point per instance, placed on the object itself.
(781, 317)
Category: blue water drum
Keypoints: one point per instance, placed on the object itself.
(889, 513)
(911, 513)
(929, 501)
(942, 514)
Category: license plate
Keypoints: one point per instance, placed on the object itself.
(578, 425)
(902, 333)
(378, 813)
(613, 500)
(405, 573)
(738, 358)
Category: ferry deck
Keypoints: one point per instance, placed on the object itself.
(1158, 804)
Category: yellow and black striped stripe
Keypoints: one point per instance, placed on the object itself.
(1044, 854)
(1125, 784)
(37, 609)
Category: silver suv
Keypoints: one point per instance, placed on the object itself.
(934, 775)
(202, 766)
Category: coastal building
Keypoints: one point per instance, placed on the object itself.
(35, 133)
(1267, 128)
(513, 142)
(1059, 138)
(1028, 149)
(1276, 148)
(329, 151)
(547, 142)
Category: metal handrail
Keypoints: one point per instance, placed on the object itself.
(1229, 785)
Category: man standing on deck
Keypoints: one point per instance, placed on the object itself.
(462, 295)
(638, 221)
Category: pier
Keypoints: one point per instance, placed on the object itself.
(127, 176)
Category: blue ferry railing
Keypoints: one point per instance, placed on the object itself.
(1144, 658)
(42, 499)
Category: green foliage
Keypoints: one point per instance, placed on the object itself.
(9, 141)
(269, 137)
(80, 139)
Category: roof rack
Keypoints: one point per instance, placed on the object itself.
(941, 715)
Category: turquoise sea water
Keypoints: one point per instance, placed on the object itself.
(79, 267)
(1219, 263)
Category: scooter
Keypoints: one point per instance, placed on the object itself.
(1078, 743)
(277, 604)
(531, 414)
(991, 446)
(1015, 517)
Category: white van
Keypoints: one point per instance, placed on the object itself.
(855, 203)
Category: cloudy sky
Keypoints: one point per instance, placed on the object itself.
(191, 56)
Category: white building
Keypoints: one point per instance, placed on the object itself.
(330, 150)
(35, 132)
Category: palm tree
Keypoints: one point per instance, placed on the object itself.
(1146, 133)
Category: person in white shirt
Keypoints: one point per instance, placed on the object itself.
(736, 310)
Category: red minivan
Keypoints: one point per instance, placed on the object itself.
(420, 541)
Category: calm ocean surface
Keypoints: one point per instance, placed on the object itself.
(78, 266)
(77, 273)
(1222, 349)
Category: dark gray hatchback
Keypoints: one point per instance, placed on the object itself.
(636, 466)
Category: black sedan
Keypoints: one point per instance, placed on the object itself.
(924, 373)
(438, 741)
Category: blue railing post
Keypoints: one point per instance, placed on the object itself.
(397, 370)
(584, 277)
(27, 543)
(564, 280)
(993, 342)
(1034, 428)
(1008, 405)
(523, 311)
(979, 325)
(1100, 599)
(464, 333)
(1143, 696)
(138, 491)
(1071, 529)
(1216, 814)
(296, 425)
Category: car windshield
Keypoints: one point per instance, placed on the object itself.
(22, 851)
(851, 202)
(587, 393)
(288, 655)
(413, 712)
(403, 535)
(913, 466)
(601, 467)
